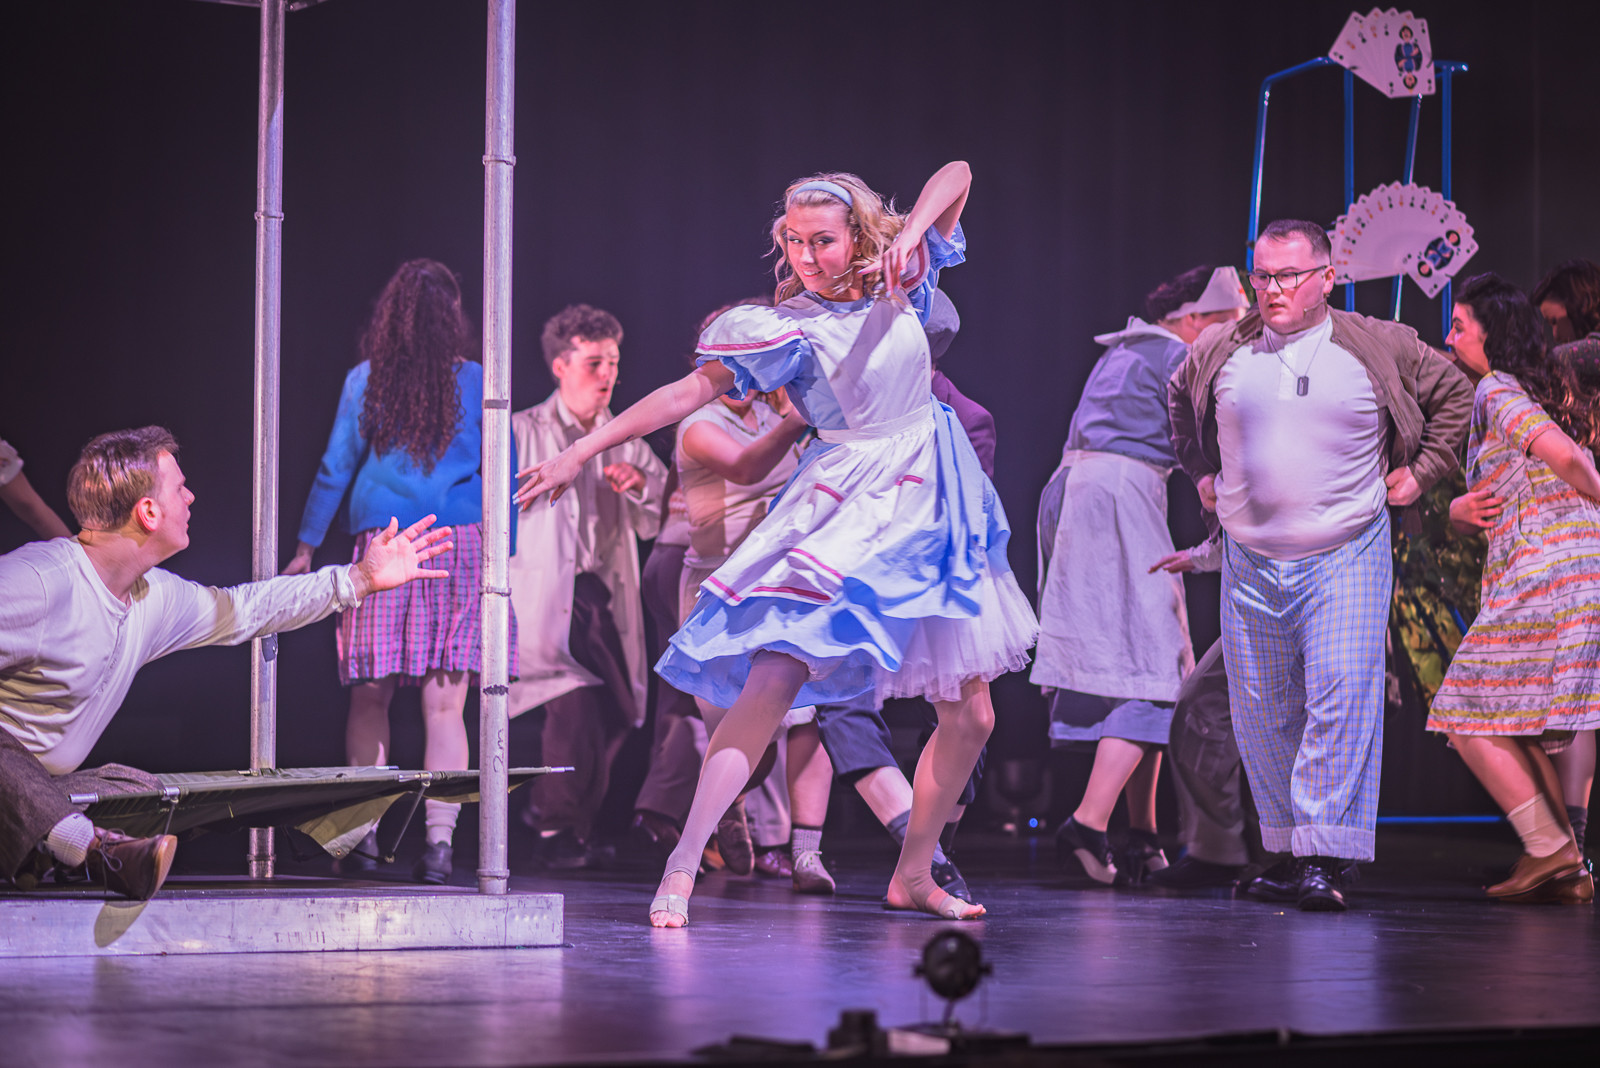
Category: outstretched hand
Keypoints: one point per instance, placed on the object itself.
(394, 557)
(553, 476)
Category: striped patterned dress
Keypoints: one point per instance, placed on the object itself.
(1531, 661)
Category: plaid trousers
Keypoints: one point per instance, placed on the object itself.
(1304, 645)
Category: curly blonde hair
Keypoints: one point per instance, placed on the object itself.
(873, 227)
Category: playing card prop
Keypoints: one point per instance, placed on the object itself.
(1389, 50)
(1402, 228)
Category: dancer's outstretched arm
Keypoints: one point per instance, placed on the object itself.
(666, 405)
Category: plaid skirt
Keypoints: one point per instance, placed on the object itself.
(424, 626)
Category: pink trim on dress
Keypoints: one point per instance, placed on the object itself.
(747, 346)
(819, 563)
(830, 491)
(908, 478)
(724, 587)
(797, 591)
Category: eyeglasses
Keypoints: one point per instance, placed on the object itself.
(1286, 280)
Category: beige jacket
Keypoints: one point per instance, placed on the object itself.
(544, 568)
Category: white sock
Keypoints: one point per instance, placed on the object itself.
(69, 840)
(440, 818)
(805, 840)
(1537, 826)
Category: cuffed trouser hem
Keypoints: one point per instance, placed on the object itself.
(1350, 843)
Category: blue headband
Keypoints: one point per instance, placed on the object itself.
(829, 187)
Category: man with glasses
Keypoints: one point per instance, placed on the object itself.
(1300, 426)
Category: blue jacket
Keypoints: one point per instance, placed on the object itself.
(388, 484)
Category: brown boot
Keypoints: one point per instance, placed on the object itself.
(1530, 871)
(132, 867)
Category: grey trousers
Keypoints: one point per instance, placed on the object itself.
(1217, 823)
(32, 800)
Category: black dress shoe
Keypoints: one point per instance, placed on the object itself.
(1320, 878)
(1279, 884)
(435, 864)
(1192, 873)
(565, 851)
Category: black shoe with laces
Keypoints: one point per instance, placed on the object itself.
(565, 851)
(1320, 878)
(1090, 848)
(1278, 885)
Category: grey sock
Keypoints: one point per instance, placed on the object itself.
(897, 830)
(1579, 818)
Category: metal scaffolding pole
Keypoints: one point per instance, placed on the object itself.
(499, 165)
(269, 304)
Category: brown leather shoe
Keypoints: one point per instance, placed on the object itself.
(653, 833)
(132, 867)
(775, 863)
(733, 840)
(1530, 871)
(1574, 889)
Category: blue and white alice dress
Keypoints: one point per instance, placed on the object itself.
(882, 564)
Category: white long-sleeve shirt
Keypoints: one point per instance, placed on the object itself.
(69, 649)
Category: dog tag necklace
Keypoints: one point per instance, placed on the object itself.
(1302, 381)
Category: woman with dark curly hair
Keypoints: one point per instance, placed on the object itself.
(406, 442)
(1527, 675)
(1569, 299)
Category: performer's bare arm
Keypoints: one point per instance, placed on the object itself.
(939, 205)
(667, 404)
(717, 451)
(20, 496)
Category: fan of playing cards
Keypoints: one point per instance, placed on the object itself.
(1407, 228)
(1387, 49)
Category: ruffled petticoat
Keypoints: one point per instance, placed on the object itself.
(881, 565)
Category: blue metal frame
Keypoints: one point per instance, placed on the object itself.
(1444, 70)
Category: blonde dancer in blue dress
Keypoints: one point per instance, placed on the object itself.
(881, 565)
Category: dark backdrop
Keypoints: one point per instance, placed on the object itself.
(1111, 147)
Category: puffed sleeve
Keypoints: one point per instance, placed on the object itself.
(1518, 416)
(922, 275)
(762, 348)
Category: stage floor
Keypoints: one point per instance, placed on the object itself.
(1420, 950)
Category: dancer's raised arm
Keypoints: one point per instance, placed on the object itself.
(666, 405)
(939, 205)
